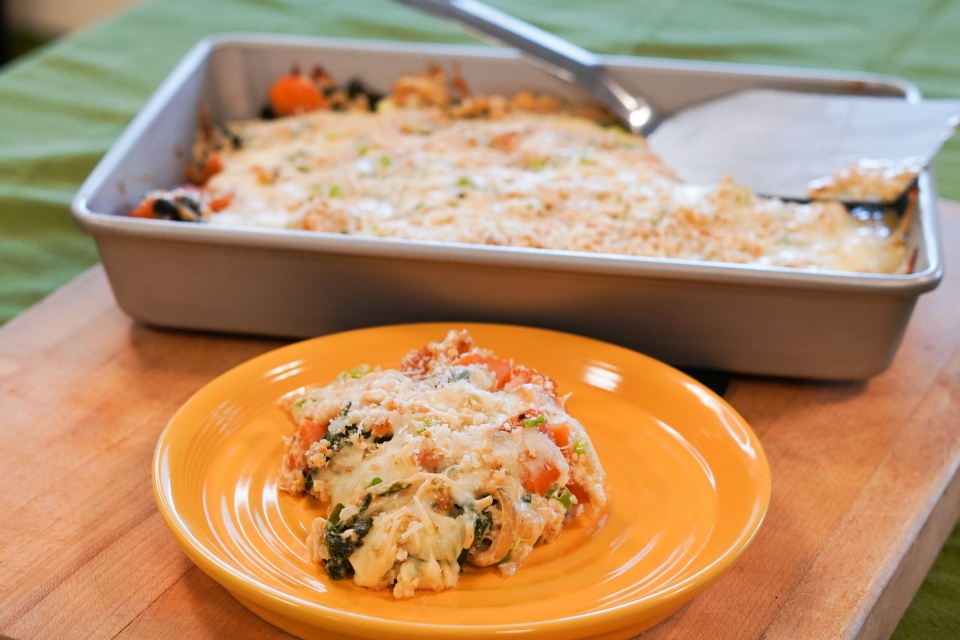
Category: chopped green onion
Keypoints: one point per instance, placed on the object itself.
(362, 151)
(464, 182)
(385, 161)
(335, 514)
(359, 371)
(366, 502)
(550, 493)
(335, 190)
(308, 479)
(394, 488)
(374, 482)
(565, 498)
(580, 447)
(533, 423)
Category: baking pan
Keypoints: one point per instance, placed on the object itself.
(742, 318)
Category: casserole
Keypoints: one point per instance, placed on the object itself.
(743, 318)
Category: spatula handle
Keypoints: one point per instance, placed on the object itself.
(563, 58)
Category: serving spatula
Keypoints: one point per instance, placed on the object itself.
(776, 142)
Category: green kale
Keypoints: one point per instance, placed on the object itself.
(484, 524)
(308, 478)
(340, 438)
(394, 488)
(342, 547)
(459, 374)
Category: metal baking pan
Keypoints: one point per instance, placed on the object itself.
(742, 318)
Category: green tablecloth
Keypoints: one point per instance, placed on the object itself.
(62, 107)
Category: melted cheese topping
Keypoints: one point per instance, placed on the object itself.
(522, 179)
(458, 455)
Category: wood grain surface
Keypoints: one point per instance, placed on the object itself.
(865, 481)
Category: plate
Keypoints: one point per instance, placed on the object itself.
(688, 486)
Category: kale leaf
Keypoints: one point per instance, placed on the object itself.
(340, 547)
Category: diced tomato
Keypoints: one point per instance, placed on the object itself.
(525, 375)
(221, 203)
(540, 481)
(310, 432)
(211, 167)
(578, 491)
(560, 433)
(502, 369)
(507, 142)
(430, 461)
(381, 427)
(296, 94)
(144, 209)
(444, 504)
(416, 363)
(460, 83)
(522, 375)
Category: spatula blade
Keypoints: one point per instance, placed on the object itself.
(777, 142)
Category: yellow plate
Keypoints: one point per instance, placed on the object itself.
(687, 481)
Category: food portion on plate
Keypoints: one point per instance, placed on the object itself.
(456, 457)
(431, 161)
(867, 181)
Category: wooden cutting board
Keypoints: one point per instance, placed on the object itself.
(865, 481)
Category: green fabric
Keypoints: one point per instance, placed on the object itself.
(63, 105)
(935, 610)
